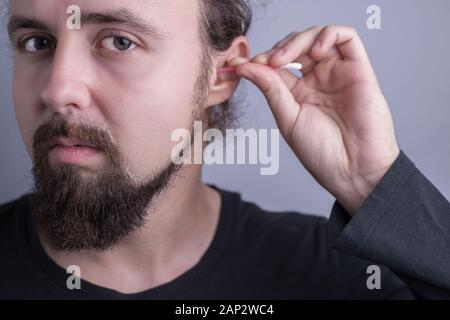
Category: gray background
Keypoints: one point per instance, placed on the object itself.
(410, 56)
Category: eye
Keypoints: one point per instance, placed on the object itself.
(37, 43)
(117, 43)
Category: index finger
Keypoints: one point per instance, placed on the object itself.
(322, 43)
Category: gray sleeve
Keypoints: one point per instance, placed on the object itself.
(404, 224)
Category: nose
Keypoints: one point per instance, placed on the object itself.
(66, 90)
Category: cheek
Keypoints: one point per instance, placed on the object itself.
(143, 108)
(25, 93)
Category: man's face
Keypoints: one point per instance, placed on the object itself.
(139, 93)
(121, 84)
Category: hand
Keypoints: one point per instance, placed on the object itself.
(335, 118)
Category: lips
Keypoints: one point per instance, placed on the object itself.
(69, 142)
(73, 151)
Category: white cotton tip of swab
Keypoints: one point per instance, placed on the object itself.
(296, 66)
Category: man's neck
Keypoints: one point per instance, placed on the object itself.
(178, 231)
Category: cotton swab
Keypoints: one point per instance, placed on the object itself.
(296, 66)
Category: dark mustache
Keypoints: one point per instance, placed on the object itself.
(86, 134)
(90, 135)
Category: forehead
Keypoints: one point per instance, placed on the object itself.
(168, 15)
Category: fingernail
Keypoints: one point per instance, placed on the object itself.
(261, 59)
(237, 61)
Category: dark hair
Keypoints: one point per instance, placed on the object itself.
(221, 22)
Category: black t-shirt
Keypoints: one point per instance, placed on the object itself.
(256, 254)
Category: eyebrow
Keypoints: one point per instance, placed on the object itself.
(122, 16)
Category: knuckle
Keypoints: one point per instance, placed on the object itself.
(351, 29)
(285, 40)
(294, 36)
(326, 32)
(329, 29)
(316, 27)
(291, 34)
(333, 29)
(297, 35)
(347, 28)
(278, 44)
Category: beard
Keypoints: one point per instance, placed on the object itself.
(75, 211)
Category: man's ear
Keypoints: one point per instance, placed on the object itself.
(224, 84)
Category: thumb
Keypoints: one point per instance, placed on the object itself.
(281, 101)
